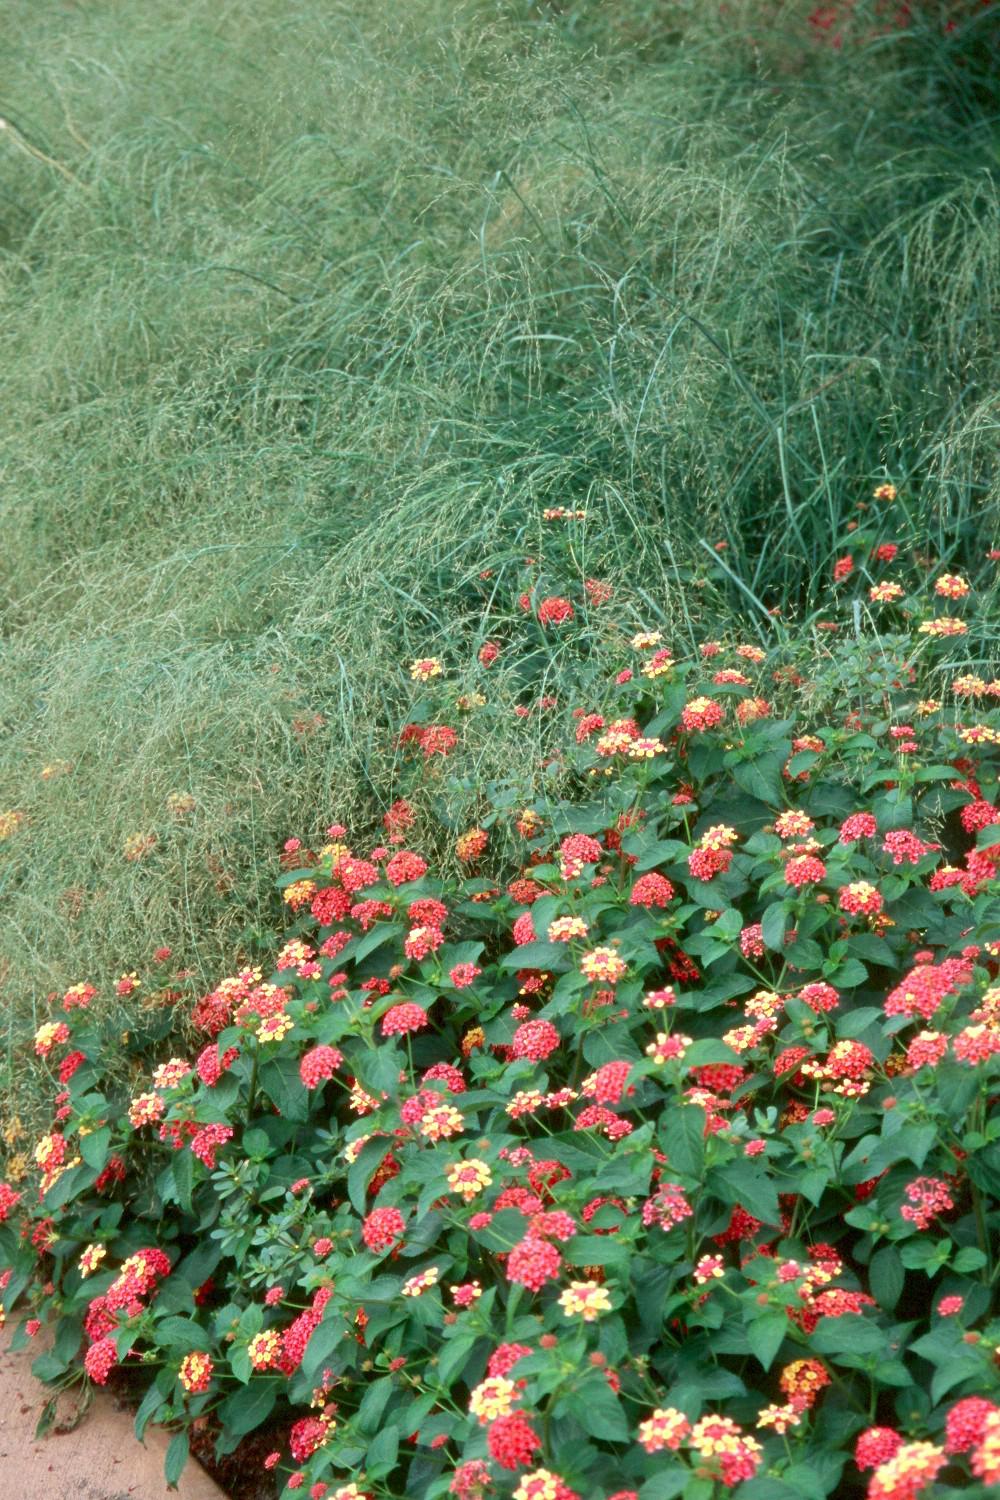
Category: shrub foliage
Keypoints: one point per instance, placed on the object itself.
(645, 1147)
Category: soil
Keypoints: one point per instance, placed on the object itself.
(89, 1454)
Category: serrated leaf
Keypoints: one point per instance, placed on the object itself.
(149, 1406)
(598, 1411)
(362, 1170)
(248, 1407)
(48, 1367)
(805, 954)
(969, 1258)
(596, 1250)
(183, 1173)
(682, 1139)
(701, 1054)
(741, 1183)
(94, 1148)
(256, 1142)
(178, 1452)
(374, 1403)
(761, 778)
(936, 773)
(280, 1081)
(765, 1336)
(963, 1365)
(850, 1334)
(550, 956)
(870, 947)
(381, 933)
(382, 1453)
(666, 852)
(666, 1485)
(849, 974)
(886, 1277)
(773, 926)
(454, 1356)
(182, 1334)
(322, 1342)
(925, 1255)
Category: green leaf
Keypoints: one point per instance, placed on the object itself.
(176, 1295)
(682, 1139)
(729, 925)
(362, 1170)
(279, 1078)
(551, 956)
(939, 1345)
(892, 1372)
(48, 1367)
(773, 925)
(256, 1143)
(873, 1154)
(380, 1069)
(454, 1356)
(774, 1489)
(936, 773)
(151, 1402)
(666, 1485)
(969, 1258)
(381, 933)
(699, 1489)
(182, 1334)
(199, 1263)
(709, 1050)
(183, 1172)
(667, 852)
(765, 1336)
(94, 1148)
(596, 1250)
(321, 1345)
(598, 1410)
(374, 1403)
(851, 1334)
(925, 1255)
(176, 1459)
(739, 1182)
(805, 953)
(964, 1364)
(251, 1322)
(382, 1453)
(69, 1332)
(886, 1277)
(72, 1181)
(868, 946)
(761, 778)
(247, 1408)
(627, 1175)
(812, 1185)
(849, 974)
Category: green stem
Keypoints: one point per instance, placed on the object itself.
(982, 1235)
(252, 1091)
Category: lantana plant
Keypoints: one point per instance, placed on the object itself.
(659, 1159)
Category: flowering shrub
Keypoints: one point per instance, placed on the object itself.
(662, 1162)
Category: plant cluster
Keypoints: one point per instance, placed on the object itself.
(646, 1148)
(316, 353)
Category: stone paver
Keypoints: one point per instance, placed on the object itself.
(99, 1459)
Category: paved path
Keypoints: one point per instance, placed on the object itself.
(98, 1460)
